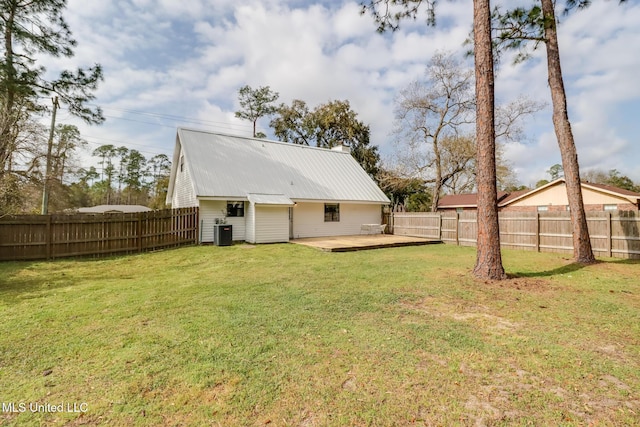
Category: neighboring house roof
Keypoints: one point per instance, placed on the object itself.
(631, 195)
(509, 197)
(451, 201)
(114, 209)
(226, 166)
(470, 200)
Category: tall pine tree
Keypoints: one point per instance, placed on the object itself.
(30, 29)
(388, 14)
(516, 29)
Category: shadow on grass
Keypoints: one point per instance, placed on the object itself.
(16, 284)
(565, 269)
(570, 268)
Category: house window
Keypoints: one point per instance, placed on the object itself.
(459, 210)
(331, 212)
(182, 164)
(543, 208)
(610, 207)
(235, 209)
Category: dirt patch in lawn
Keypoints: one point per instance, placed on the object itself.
(531, 377)
(506, 397)
(529, 284)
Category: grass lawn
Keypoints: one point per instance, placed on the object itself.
(287, 335)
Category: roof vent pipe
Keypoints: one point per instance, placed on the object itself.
(343, 148)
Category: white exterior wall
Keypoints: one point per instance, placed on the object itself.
(212, 209)
(183, 192)
(250, 213)
(271, 224)
(308, 219)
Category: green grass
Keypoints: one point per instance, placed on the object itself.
(287, 335)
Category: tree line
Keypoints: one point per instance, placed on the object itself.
(612, 177)
(124, 176)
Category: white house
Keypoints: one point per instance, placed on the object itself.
(271, 191)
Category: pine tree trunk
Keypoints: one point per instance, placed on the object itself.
(582, 250)
(489, 259)
(8, 96)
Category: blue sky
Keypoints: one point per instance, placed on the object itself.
(170, 63)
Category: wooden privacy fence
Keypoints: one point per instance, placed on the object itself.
(29, 237)
(612, 234)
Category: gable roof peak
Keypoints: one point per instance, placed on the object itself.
(244, 139)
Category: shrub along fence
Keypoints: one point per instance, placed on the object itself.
(29, 237)
(613, 234)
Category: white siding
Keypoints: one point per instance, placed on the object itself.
(308, 219)
(183, 193)
(271, 224)
(212, 209)
(250, 214)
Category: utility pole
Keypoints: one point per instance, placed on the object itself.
(45, 191)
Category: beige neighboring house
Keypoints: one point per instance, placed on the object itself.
(271, 191)
(551, 197)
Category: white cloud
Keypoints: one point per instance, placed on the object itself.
(348, 23)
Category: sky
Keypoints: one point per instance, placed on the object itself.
(170, 63)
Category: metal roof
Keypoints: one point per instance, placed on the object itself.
(232, 166)
(468, 200)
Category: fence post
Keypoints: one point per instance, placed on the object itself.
(537, 231)
(177, 224)
(139, 232)
(457, 228)
(609, 236)
(440, 226)
(48, 237)
(196, 220)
